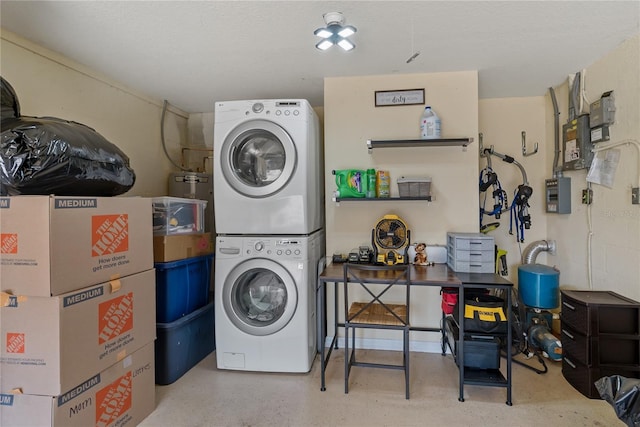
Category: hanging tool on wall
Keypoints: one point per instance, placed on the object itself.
(501, 262)
(489, 183)
(519, 215)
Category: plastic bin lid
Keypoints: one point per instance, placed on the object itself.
(169, 199)
(402, 179)
(181, 262)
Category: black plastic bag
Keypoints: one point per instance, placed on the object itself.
(47, 155)
(9, 99)
(624, 395)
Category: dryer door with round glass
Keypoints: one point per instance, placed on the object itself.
(259, 296)
(258, 158)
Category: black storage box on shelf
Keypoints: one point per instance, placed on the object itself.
(181, 344)
(480, 352)
(483, 313)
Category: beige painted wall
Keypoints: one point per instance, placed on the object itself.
(48, 84)
(615, 245)
(351, 118)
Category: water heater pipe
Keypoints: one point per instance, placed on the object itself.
(531, 252)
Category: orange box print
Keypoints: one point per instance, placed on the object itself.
(15, 342)
(109, 234)
(113, 400)
(115, 317)
(8, 243)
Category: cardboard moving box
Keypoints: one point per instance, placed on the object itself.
(175, 247)
(50, 344)
(53, 245)
(121, 395)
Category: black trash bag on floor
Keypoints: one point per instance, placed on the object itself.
(47, 155)
(624, 395)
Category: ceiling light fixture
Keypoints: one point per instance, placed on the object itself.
(335, 33)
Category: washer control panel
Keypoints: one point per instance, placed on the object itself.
(277, 248)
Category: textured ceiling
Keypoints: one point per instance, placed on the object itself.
(193, 53)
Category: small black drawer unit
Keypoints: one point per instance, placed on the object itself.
(480, 351)
(600, 335)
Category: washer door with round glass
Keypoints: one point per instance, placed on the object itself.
(258, 158)
(259, 296)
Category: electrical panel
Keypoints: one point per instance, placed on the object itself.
(576, 144)
(558, 195)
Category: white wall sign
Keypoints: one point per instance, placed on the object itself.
(385, 98)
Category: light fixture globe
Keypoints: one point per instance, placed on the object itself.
(335, 33)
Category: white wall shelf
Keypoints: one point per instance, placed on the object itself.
(380, 199)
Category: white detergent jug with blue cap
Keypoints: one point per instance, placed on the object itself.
(429, 124)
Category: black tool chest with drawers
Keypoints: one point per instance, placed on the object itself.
(600, 335)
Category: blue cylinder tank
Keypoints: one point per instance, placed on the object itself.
(538, 285)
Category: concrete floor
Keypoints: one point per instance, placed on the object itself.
(206, 396)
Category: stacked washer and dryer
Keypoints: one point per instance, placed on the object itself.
(269, 219)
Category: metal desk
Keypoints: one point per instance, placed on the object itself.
(438, 275)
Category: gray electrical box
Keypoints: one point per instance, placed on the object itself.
(558, 195)
(602, 111)
(602, 115)
(576, 144)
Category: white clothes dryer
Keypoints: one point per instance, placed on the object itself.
(268, 168)
(265, 302)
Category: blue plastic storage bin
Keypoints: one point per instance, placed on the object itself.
(181, 287)
(180, 345)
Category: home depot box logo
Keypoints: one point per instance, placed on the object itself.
(15, 342)
(109, 234)
(115, 317)
(113, 400)
(8, 243)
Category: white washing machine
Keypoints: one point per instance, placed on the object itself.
(265, 302)
(268, 168)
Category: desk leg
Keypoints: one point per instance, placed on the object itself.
(460, 355)
(444, 336)
(323, 331)
(335, 314)
(509, 343)
(322, 289)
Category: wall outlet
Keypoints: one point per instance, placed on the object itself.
(587, 196)
(635, 196)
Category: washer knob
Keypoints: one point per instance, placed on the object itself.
(257, 107)
(288, 252)
(297, 252)
(259, 246)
